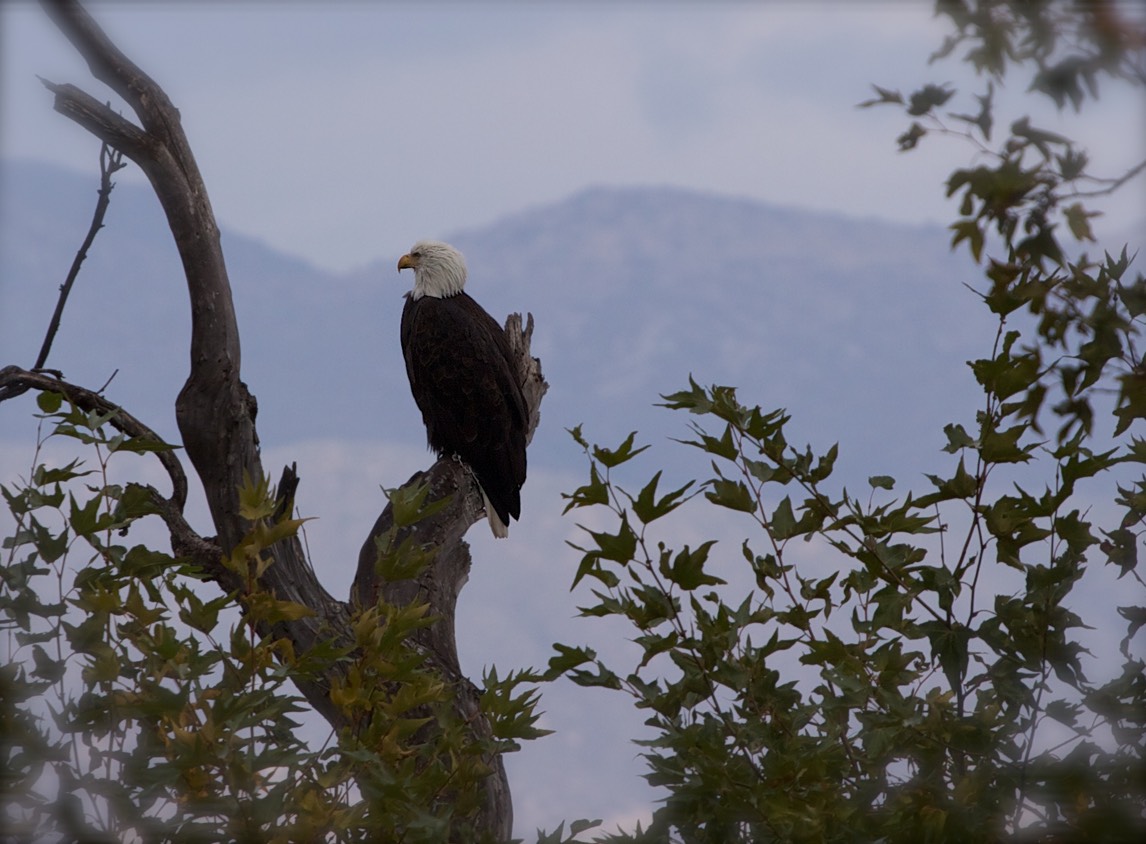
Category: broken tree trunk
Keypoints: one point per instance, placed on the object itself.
(216, 414)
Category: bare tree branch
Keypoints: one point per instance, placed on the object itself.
(159, 118)
(216, 414)
(109, 162)
(214, 410)
(1111, 185)
(98, 118)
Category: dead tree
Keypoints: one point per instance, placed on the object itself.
(216, 412)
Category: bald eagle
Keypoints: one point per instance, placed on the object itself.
(464, 379)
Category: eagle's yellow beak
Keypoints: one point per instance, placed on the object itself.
(406, 262)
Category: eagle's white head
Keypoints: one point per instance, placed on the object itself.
(439, 269)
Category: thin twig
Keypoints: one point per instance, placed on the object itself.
(110, 161)
(106, 383)
(1111, 184)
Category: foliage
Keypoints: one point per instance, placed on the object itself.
(135, 707)
(909, 667)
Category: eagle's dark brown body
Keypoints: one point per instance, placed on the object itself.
(464, 382)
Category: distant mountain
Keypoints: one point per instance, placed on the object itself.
(861, 328)
(839, 320)
(307, 338)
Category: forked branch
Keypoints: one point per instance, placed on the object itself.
(216, 413)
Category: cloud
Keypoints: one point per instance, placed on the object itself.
(342, 134)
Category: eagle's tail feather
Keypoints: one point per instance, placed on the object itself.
(500, 529)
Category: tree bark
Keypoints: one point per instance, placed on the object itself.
(216, 412)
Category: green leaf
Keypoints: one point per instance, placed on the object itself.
(927, 98)
(141, 561)
(654, 644)
(603, 677)
(824, 465)
(949, 644)
(405, 560)
(910, 139)
(883, 96)
(142, 445)
(984, 120)
(694, 399)
(1009, 291)
(1131, 401)
(557, 836)
(881, 482)
(618, 547)
(1136, 616)
(408, 504)
(1040, 138)
(255, 501)
(578, 437)
(615, 457)
(49, 402)
(1003, 446)
(1132, 294)
(590, 565)
(135, 501)
(47, 668)
(783, 521)
(722, 446)
(1072, 163)
(648, 508)
(971, 231)
(567, 658)
(1064, 712)
(1008, 374)
(1121, 549)
(1078, 220)
(957, 438)
(963, 485)
(761, 471)
(644, 505)
(731, 494)
(579, 826)
(201, 615)
(263, 607)
(593, 493)
(687, 570)
(50, 547)
(43, 475)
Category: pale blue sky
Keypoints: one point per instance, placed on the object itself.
(342, 132)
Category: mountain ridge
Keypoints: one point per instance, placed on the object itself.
(860, 328)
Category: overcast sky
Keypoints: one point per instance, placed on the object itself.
(342, 132)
